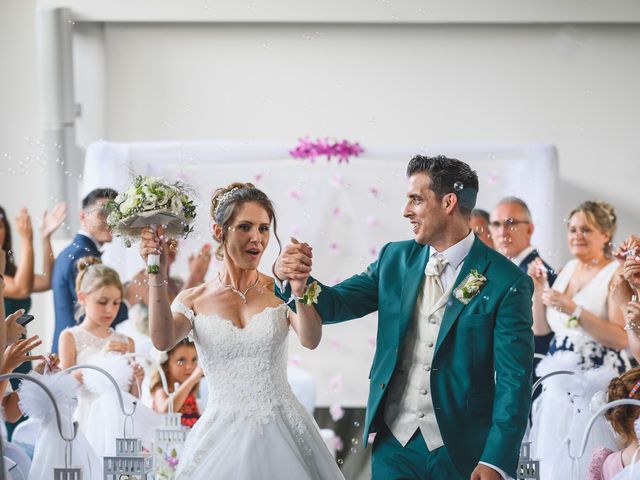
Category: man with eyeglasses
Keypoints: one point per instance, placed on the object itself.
(511, 228)
(88, 242)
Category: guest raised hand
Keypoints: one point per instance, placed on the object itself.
(14, 329)
(199, 266)
(18, 353)
(629, 247)
(52, 220)
(538, 273)
(632, 271)
(50, 363)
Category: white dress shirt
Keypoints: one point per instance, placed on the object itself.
(522, 255)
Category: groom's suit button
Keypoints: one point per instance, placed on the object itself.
(382, 386)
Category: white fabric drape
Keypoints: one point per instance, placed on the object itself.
(346, 211)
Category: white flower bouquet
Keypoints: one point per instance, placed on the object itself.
(151, 201)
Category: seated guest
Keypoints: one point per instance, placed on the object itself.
(580, 309)
(511, 229)
(605, 464)
(88, 242)
(479, 223)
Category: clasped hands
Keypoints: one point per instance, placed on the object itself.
(294, 265)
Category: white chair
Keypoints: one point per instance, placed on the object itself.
(12, 471)
(17, 455)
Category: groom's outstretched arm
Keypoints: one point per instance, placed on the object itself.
(513, 359)
(352, 298)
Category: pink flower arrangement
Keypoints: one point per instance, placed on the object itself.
(309, 150)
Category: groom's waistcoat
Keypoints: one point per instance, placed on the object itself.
(409, 405)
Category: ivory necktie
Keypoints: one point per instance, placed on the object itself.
(433, 289)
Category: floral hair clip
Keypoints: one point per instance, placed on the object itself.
(222, 198)
(634, 389)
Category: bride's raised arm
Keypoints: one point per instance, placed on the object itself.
(165, 327)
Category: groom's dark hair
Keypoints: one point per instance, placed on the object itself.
(96, 194)
(448, 175)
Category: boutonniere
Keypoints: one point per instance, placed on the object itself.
(470, 286)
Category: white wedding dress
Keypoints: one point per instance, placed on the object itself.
(253, 426)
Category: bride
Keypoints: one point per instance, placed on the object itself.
(253, 426)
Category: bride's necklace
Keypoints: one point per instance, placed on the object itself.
(242, 295)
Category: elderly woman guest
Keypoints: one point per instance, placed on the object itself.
(580, 308)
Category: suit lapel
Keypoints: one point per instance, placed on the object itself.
(476, 259)
(411, 283)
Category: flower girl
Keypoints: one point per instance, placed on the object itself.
(606, 464)
(180, 365)
(94, 342)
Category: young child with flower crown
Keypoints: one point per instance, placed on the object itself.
(606, 464)
(180, 365)
(100, 293)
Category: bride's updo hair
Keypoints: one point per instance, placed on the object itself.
(602, 216)
(225, 203)
(92, 275)
(622, 418)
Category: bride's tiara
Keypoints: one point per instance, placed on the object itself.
(222, 198)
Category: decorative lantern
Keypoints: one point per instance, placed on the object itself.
(167, 447)
(130, 461)
(528, 469)
(70, 473)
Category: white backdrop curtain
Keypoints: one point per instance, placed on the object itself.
(345, 211)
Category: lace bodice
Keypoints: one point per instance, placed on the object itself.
(252, 417)
(245, 368)
(88, 344)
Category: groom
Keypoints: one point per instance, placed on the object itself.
(450, 382)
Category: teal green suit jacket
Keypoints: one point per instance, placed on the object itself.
(481, 369)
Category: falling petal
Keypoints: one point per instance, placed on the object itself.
(296, 195)
(335, 382)
(336, 412)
